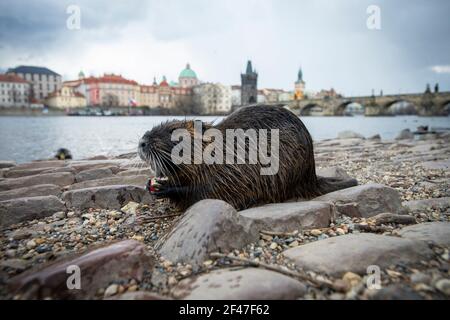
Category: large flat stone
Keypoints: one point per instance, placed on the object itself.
(436, 232)
(436, 165)
(17, 173)
(348, 134)
(136, 172)
(81, 165)
(207, 226)
(287, 217)
(422, 205)
(138, 295)
(405, 134)
(244, 284)
(140, 181)
(126, 259)
(356, 252)
(33, 191)
(92, 174)
(22, 209)
(106, 197)
(333, 172)
(7, 164)
(365, 200)
(59, 178)
(395, 292)
(42, 164)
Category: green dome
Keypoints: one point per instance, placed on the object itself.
(188, 72)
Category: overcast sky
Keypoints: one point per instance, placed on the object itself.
(329, 39)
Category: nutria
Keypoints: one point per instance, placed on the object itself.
(241, 185)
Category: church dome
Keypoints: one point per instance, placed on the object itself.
(188, 73)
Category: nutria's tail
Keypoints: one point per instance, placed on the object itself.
(327, 185)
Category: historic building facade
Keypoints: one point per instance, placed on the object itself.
(109, 90)
(327, 94)
(249, 85)
(164, 95)
(43, 81)
(213, 98)
(66, 98)
(235, 95)
(14, 91)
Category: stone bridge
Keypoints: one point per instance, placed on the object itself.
(426, 104)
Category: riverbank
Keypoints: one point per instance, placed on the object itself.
(96, 214)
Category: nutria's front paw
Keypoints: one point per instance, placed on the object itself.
(158, 187)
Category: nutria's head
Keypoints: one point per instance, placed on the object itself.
(155, 147)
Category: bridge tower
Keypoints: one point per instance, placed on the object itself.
(249, 85)
(299, 86)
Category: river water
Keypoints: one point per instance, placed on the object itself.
(24, 139)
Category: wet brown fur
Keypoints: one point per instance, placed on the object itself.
(242, 185)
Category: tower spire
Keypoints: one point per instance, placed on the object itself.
(249, 67)
(300, 74)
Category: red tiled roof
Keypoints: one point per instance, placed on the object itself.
(72, 83)
(11, 78)
(109, 78)
(78, 94)
(58, 93)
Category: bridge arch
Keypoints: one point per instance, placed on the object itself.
(400, 107)
(445, 107)
(312, 109)
(349, 108)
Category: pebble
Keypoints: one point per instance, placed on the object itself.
(294, 244)
(171, 281)
(341, 285)
(111, 290)
(10, 253)
(420, 277)
(31, 244)
(130, 208)
(207, 263)
(351, 278)
(71, 214)
(138, 238)
(315, 232)
(443, 285)
(133, 288)
(273, 245)
(39, 240)
(59, 215)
